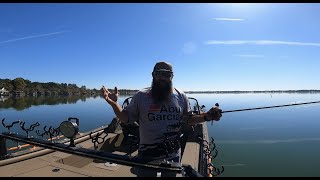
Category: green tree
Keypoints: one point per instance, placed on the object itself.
(19, 84)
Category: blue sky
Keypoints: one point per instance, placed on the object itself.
(223, 46)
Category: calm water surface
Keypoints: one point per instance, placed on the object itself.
(271, 142)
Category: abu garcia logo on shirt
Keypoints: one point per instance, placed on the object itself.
(170, 113)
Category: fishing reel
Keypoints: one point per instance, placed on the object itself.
(213, 112)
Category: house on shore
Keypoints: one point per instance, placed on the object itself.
(34, 94)
(19, 93)
(4, 92)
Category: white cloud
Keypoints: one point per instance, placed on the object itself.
(228, 19)
(262, 42)
(30, 37)
(164, 20)
(189, 48)
(249, 55)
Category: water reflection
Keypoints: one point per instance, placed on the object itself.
(27, 102)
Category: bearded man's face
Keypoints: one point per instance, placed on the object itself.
(161, 87)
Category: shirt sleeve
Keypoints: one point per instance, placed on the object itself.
(187, 107)
(132, 109)
(187, 104)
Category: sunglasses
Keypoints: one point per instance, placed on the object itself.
(163, 74)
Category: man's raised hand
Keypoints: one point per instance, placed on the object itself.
(111, 98)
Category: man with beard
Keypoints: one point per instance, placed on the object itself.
(160, 110)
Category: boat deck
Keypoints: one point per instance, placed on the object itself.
(50, 163)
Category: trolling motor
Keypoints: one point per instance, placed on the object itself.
(70, 129)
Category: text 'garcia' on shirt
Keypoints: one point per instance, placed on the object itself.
(165, 113)
(159, 117)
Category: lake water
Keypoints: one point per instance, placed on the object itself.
(270, 142)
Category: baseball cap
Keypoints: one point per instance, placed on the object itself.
(162, 66)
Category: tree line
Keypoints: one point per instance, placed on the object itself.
(24, 87)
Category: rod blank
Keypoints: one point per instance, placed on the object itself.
(267, 107)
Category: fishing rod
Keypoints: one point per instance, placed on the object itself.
(267, 107)
(93, 154)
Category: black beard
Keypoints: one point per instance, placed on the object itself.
(161, 91)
